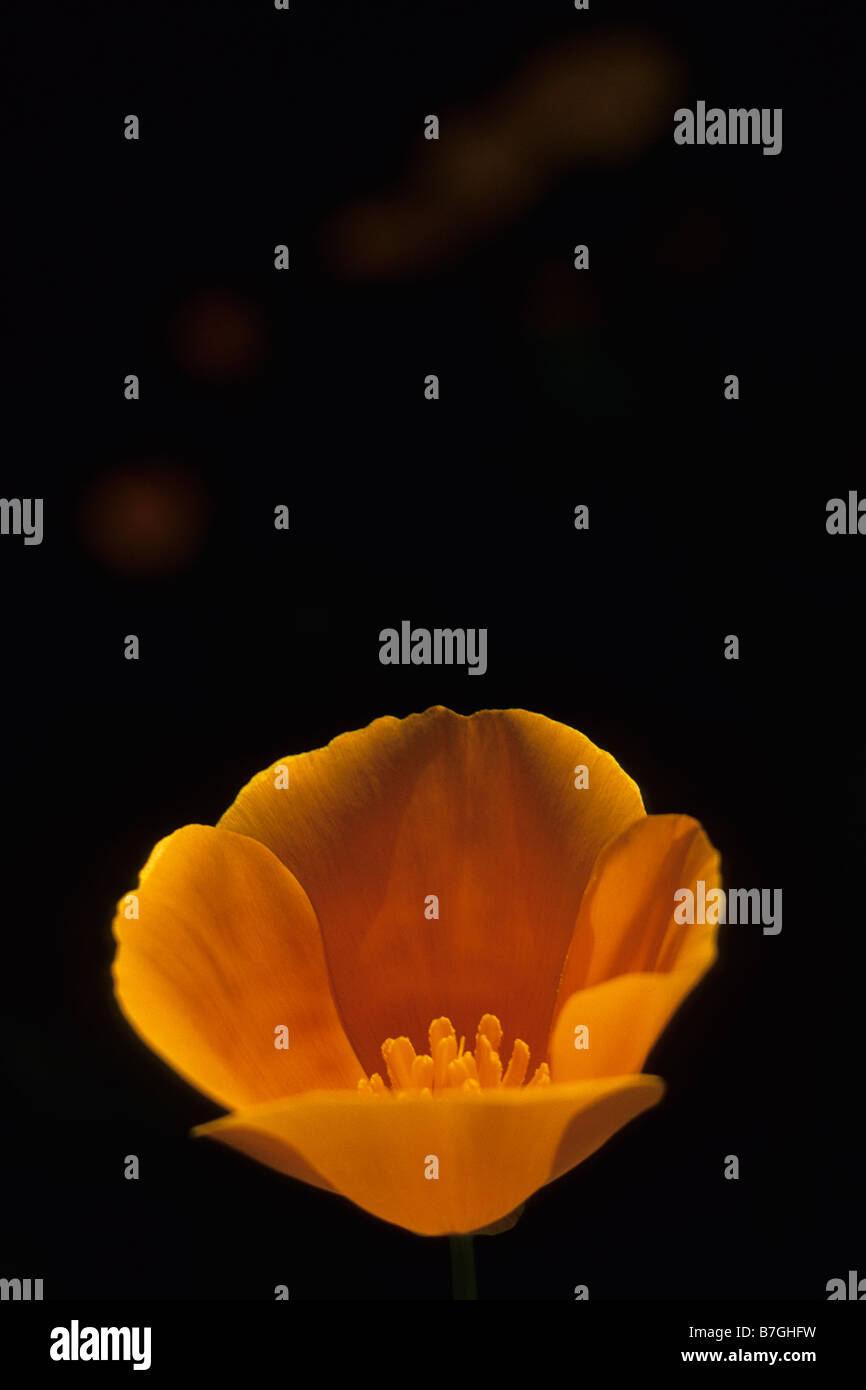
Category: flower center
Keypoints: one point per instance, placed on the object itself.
(449, 1067)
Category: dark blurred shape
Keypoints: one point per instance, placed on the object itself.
(220, 337)
(571, 360)
(145, 520)
(558, 300)
(697, 242)
(597, 100)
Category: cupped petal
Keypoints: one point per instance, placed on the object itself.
(630, 964)
(626, 920)
(476, 819)
(225, 950)
(611, 1028)
(492, 1151)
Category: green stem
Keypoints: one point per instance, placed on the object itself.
(463, 1283)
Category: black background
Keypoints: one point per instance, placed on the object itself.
(707, 517)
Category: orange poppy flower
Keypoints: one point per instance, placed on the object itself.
(440, 883)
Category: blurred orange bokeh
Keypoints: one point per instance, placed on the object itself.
(600, 100)
(220, 336)
(145, 519)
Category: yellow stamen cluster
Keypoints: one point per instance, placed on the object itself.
(448, 1067)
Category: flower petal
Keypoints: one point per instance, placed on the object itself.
(630, 964)
(626, 920)
(624, 1018)
(226, 948)
(480, 811)
(493, 1150)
